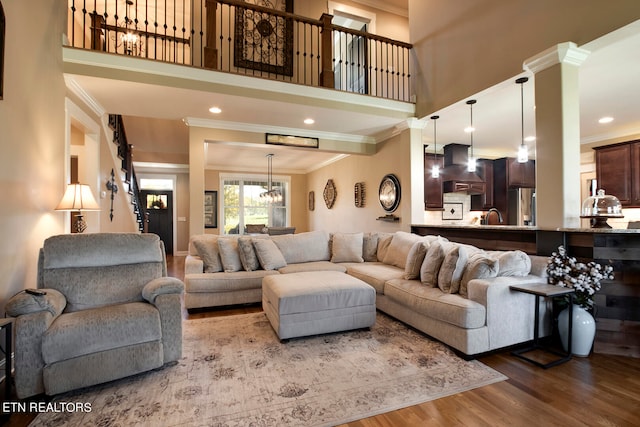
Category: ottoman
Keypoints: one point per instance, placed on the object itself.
(317, 302)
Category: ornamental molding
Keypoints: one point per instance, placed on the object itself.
(563, 53)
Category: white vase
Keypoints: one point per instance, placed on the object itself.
(583, 330)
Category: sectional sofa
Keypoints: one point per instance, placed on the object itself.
(456, 293)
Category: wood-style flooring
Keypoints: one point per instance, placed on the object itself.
(600, 390)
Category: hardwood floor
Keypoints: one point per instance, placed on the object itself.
(600, 390)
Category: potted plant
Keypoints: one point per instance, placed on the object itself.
(585, 278)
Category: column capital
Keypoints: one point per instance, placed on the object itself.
(562, 53)
(415, 123)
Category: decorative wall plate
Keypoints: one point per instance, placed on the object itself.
(389, 193)
(312, 200)
(330, 194)
(359, 194)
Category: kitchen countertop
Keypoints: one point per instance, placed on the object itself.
(530, 228)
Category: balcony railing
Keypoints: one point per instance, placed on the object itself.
(243, 38)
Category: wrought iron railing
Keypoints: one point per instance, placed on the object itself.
(126, 156)
(238, 37)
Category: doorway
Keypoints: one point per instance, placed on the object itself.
(159, 209)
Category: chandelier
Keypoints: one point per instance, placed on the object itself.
(272, 195)
(129, 39)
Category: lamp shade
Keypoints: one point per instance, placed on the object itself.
(78, 197)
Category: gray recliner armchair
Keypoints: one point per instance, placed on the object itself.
(110, 311)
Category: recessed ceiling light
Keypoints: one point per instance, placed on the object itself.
(215, 110)
(309, 121)
(469, 129)
(530, 138)
(604, 120)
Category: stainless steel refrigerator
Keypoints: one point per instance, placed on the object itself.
(521, 206)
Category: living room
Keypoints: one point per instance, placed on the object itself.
(35, 98)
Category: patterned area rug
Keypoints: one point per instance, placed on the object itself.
(235, 372)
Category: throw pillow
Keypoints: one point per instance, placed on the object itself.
(452, 268)
(229, 255)
(268, 254)
(384, 239)
(513, 263)
(479, 266)
(370, 247)
(415, 258)
(431, 265)
(347, 247)
(248, 256)
(207, 247)
(399, 248)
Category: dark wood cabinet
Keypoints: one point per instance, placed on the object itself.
(432, 186)
(618, 171)
(511, 174)
(484, 201)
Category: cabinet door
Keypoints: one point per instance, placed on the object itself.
(521, 175)
(613, 171)
(432, 186)
(484, 201)
(635, 174)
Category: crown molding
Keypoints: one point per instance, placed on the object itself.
(255, 128)
(87, 99)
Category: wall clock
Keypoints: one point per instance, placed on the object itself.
(389, 193)
(329, 194)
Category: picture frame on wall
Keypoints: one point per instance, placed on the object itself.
(210, 209)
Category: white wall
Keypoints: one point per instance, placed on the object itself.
(32, 141)
(392, 157)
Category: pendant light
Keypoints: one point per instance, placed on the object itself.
(523, 151)
(272, 195)
(471, 165)
(435, 169)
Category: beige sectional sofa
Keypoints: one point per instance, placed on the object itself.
(453, 292)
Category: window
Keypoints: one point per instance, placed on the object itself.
(242, 204)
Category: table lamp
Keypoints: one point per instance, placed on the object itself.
(78, 197)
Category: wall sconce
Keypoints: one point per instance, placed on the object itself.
(113, 187)
(78, 197)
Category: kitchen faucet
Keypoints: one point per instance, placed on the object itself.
(486, 218)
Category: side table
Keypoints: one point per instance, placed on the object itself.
(6, 324)
(549, 291)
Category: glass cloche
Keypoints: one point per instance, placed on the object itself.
(601, 207)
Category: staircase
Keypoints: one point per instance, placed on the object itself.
(125, 155)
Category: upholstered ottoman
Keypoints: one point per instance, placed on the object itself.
(317, 302)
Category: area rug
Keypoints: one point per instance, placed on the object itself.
(235, 372)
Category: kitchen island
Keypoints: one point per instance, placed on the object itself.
(617, 303)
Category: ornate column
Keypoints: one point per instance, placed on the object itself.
(557, 134)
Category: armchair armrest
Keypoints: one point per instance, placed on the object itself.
(34, 315)
(23, 303)
(166, 294)
(162, 286)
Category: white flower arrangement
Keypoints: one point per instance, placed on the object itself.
(566, 271)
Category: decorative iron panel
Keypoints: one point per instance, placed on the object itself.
(264, 41)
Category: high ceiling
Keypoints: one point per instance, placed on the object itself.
(608, 87)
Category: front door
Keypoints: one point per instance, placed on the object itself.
(159, 205)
